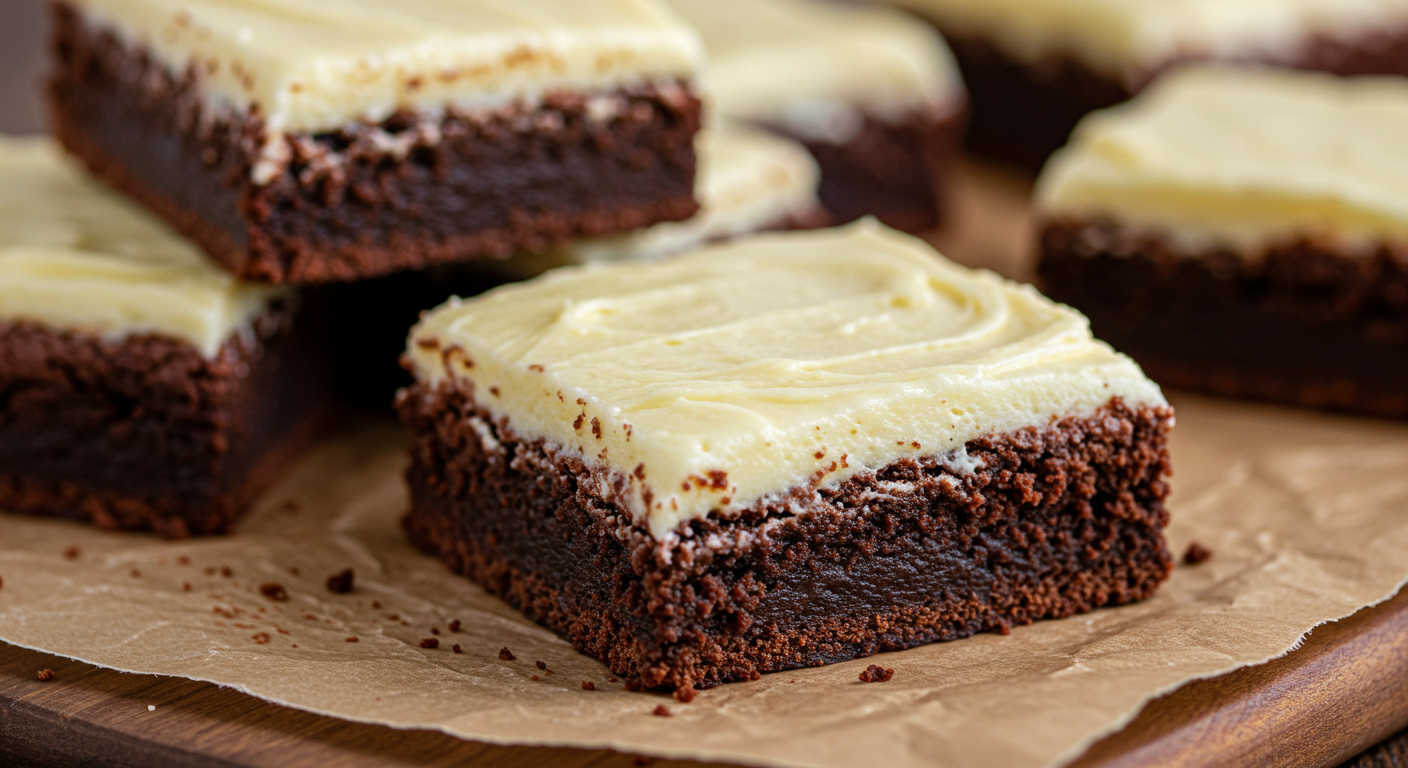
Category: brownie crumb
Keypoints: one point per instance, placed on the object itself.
(434, 630)
(45, 675)
(186, 586)
(533, 677)
(588, 685)
(341, 584)
(376, 604)
(72, 552)
(663, 711)
(506, 655)
(686, 694)
(876, 674)
(273, 591)
(429, 642)
(456, 649)
(353, 640)
(1196, 553)
(455, 625)
(227, 572)
(261, 638)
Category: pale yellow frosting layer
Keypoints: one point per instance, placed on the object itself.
(779, 360)
(75, 256)
(1124, 37)
(318, 64)
(812, 65)
(748, 180)
(1242, 157)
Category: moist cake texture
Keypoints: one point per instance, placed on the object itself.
(1268, 261)
(873, 93)
(144, 387)
(676, 463)
(342, 139)
(1035, 67)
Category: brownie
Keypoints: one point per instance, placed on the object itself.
(141, 387)
(1029, 89)
(1267, 261)
(751, 458)
(872, 93)
(442, 170)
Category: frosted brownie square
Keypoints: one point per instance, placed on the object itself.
(749, 181)
(790, 450)
(141, 387)
(332, 140)
(873, 94)
(1243, 233)
(1035, 67)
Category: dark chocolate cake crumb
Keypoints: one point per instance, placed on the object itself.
(876, 674)
(273, 591)
(533, 677)
(455, 625)
(353, 640)
(72, 552)
(1196, 553)
(506, 655)
(686, 694)
(429, 642)
(376, 604)
(262, 638)
(663, 711)
(434, 630)
(456, 649)
(543, 665)
(588, 685)
(226, 572)
(341, 584)
(186, 586)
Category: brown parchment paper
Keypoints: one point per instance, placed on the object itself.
(1307, 515)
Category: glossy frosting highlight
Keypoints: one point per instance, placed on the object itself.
(313, 65)
(1242, 157)
(76, 256)
(779, 361)
(811, 66)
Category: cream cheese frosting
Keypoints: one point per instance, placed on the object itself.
(1126, 38)
(310, 65)
(748, 180)
(76, 256)
(812, 66)
(716, 379)
(1243, 157)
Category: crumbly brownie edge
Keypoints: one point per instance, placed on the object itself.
(1298, 322)
(1022, 111)
(368, 199)
(146, 433)
(897, 168)
(1061, 519)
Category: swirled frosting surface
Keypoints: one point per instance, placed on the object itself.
(318, 64)
(1217, 157)
(76, 256)
(813, 66)
(1124, 37)
(718, 378)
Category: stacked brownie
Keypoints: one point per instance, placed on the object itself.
(1035, 67)
(791, 450)
(1244, 233)
(141, 387)
(873, 94)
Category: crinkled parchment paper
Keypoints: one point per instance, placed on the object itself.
(1307, 516)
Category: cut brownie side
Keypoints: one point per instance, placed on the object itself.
(898, 170)
(369, 199)
(1059, 519)
(1301, 323)
(147, 433)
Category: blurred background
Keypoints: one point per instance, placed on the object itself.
(21, 65)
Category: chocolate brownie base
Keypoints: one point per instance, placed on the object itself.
(898, 170)
(1299, 323)
(1059, 520)
(368, 199)
(1023, 112)
(148, 434)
